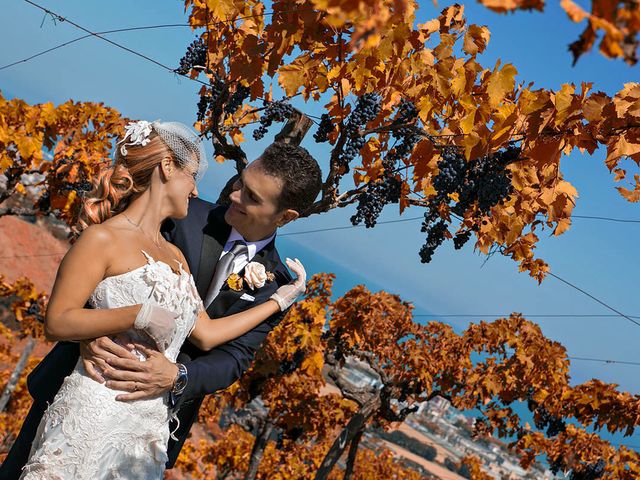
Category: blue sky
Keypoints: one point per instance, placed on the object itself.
(600, 257)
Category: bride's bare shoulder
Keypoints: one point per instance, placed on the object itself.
(110, 230)
(99, 239)
(98, 234)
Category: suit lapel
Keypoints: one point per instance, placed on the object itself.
(215, 235)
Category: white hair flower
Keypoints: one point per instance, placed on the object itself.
(137, 133)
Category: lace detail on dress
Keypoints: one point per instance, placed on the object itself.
(85, 433)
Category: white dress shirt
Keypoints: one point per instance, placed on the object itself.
(241, 260)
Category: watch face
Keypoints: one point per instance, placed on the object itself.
(181, 382)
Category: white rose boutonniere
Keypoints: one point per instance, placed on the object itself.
(255, 275)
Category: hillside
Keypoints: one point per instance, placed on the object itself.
(29, 249)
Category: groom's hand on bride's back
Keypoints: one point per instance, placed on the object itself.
(140, 379)
(123, 371)
(96, 354)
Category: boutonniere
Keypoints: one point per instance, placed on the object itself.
(255, 276)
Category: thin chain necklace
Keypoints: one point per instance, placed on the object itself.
(141, 230)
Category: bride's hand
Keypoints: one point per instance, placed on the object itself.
(158, 323)
(287, 294)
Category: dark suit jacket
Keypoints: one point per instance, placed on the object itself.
(201, 236)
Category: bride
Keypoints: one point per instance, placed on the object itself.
(140, 287)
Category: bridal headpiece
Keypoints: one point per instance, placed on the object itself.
(181, 140)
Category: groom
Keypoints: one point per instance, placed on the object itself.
(216, 241)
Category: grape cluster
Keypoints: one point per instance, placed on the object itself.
(461, 238)
(195, 56)
(35, 311)
(377, 195)
(218, 90)
(388, 190)
(406, 112)
(487, 182)
(367, 108)
(83, 186)
(203, 107)
(44, 202)
(452, 170)
(278, 111)
(324, 129)
(289, 366)
(236, 99)
(591, 471)
(544, 420)
(483, 182)
(406, 136)
(435, 236)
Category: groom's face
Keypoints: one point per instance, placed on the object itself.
(254, 210)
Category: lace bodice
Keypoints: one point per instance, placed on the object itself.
(85, 432)
(157, 283)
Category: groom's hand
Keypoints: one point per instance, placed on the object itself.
(147, 379)
(95, 354)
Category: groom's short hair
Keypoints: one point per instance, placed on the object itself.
(297, 170)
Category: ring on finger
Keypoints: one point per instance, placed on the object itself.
(135, 386)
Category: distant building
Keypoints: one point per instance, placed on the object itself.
(359, 374)
(436, 407)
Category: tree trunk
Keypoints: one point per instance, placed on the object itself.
(353, 451)
(295, 129)
(15, 375)
(353, 428)
(258, 449)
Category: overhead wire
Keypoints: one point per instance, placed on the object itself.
(105, 32)
(130, 50)
(116, 44)
(347, 227)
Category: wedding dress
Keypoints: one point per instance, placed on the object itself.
(87, 434)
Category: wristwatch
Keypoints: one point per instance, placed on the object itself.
(180, 383)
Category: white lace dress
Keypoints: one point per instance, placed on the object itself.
(85, 433)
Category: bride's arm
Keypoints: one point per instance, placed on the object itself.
(211, 332)
(208, 332)
(81, 269)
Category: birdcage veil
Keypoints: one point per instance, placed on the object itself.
(185, 144)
